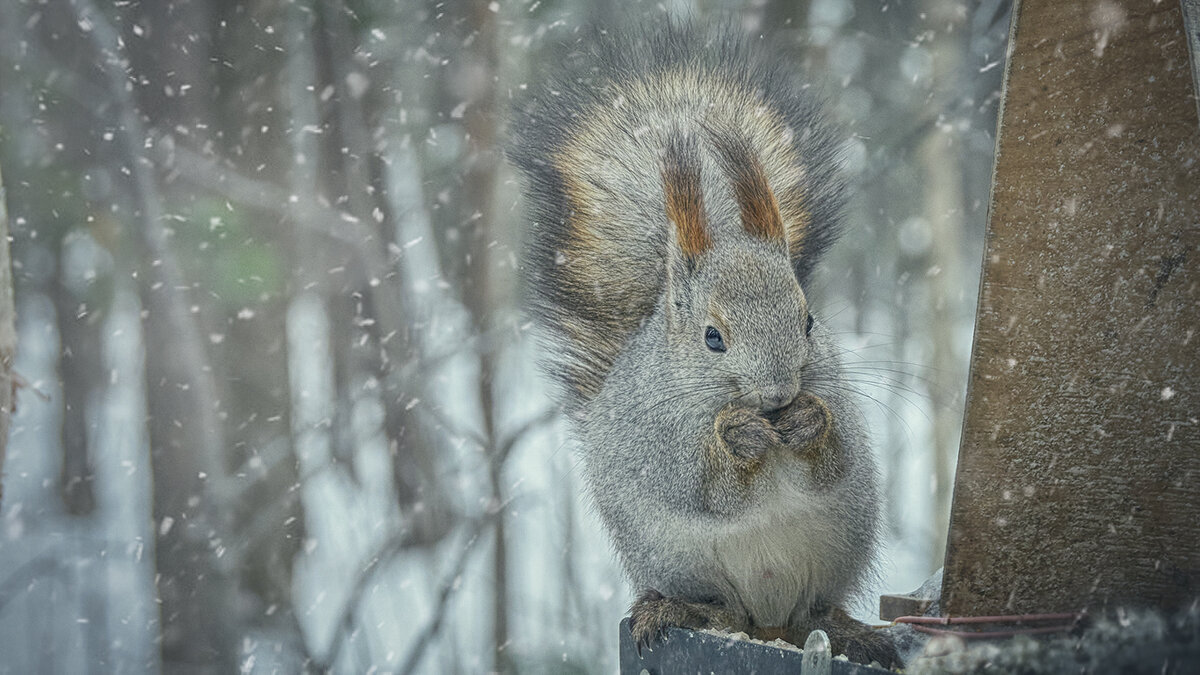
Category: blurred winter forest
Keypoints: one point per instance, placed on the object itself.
(280, 411)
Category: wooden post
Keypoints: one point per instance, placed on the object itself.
(1078, 479)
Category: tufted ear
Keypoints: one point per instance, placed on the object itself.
(684, 199)
(687, 232)
(687, 224)
(755, 198)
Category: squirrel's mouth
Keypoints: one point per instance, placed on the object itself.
(773, 416)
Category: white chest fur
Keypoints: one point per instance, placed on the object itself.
(781, 555)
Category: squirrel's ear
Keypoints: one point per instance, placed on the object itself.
(687, 223)
(688, 235)
(679, 265)
(756, 200)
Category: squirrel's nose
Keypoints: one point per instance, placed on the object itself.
(776, 398)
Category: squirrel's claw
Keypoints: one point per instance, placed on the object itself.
(652, 613)
(859, 642)
(646, 619)
(867, 648)
(644, 635)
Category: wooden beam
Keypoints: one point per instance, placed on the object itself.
(1078, 480)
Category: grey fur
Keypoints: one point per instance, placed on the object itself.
(624, 173)
(644, 393)
(642, 441)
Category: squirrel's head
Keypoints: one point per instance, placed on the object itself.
(736, 315)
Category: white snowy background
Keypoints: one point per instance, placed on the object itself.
(264, 260)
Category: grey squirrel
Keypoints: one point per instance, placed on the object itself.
(682, 190)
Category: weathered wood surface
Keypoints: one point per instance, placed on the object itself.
(1191, 25)
(688, 652)
(1079, 472)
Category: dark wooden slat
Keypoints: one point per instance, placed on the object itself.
(1078, 481)
(686, 652)
(894, 605)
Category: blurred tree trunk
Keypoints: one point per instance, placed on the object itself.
(475, 79)
(185, 430)
(336, 172)
(174, 57)
(377, 333)
(783, 16)
(80, 370)
(943, 193)
(8, 335)
(187, 446)
(187, 90)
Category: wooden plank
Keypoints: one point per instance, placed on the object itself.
(894, 605)
(1191, 26)
(1078, 480)
(688, 652)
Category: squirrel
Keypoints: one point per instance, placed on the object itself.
(682, 189)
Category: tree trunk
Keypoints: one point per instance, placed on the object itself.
(81, 370)
(478, 68)
(940, 159)
(8, 335)
(186, 434)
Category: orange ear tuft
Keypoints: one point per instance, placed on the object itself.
(684, 198)
(759, 208)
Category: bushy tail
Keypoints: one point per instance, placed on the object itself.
(589, 143)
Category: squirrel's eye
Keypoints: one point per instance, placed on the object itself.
(808, 325)
(712, 338)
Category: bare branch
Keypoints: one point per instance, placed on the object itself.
(240, 188)
(152, 234)
(537, 421)
(449, 584)
(186, 434)
(440, 419)
(19, 582)
(389, 549)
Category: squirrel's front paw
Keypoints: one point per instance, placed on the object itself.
(804, 425)
(646, 619)
(872, 646)
(746, 433)
(652, 613)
